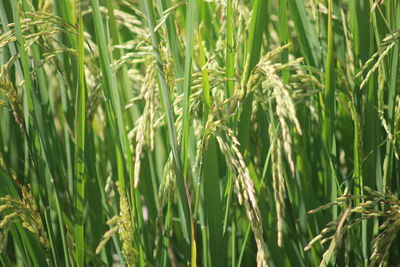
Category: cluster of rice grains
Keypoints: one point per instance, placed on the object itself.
(122, 224)
(353, 213)
(24, 210)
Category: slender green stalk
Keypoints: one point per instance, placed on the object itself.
(393, 77)
(230, 53)
(190, 24)
(284, 35)
(252, 56)
(308, 39)
(253, 50)
(204, 72)
(80, 175)
(330, 108)
(213, 206)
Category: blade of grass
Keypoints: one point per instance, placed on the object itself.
(80, 131)
(257, 23)
(330, 107)
(306, 34)
(191, 14)
(253, 49)
(393, 77)
(213, 205)
(284, 36)
(204, 75)
(230, 52)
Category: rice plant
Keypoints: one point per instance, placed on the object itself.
(199, 133)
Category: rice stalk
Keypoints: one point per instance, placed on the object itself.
(244, 189)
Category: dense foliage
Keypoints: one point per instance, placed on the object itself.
(199, 132)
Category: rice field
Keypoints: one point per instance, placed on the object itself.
(199, 133)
